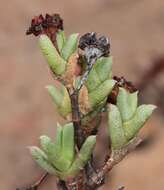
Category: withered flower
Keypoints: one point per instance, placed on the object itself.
(93, 48)
(90, 41)
(49, 25)
(121, 82)
(36, 27)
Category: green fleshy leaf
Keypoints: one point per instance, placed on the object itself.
(103, 67)
(42, 160)
(48, 147)
(70, 46)
(68, 142)
(61, 98)
(62, 163)
(61, 39)
(127, 103)
(100, 72)
(58, 140)
(52, 150)
(65, 108)
(83, 156)
(115, 128)
(101, 92)
(55, 61)
(87, 148)
(93, 80)
(142, 114)
(56, 94)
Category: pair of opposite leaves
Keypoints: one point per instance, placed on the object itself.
(97, 87)
(124, 122)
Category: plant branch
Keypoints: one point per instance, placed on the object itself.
(75, 183)
(79, 136)
(97, 179)
(76, 119)
(37, 184)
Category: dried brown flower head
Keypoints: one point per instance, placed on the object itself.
(121, 82)
(90, 40)
(49, 25)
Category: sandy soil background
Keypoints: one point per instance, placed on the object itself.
(136, 29)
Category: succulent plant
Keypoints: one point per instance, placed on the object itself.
(83, 89)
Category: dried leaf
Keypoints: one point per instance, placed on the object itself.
(84, 104)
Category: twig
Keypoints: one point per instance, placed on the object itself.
(85, 75)
(79, 136)
(37, 184)
(75, 184)
(96, 180)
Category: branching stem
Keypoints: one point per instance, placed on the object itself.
(97, 179)
(79, 136)
(37, 184)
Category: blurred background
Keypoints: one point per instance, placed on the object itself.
(136, 30)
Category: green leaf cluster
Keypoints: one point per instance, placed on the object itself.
(59, 157)
(57, 57)
(126, 118)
